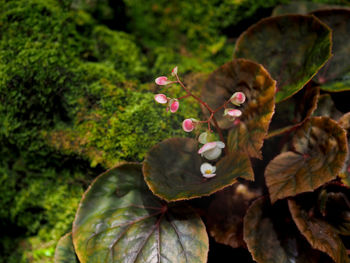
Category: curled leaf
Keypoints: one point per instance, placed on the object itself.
(320, 152)
(319, 233)
(254, 81)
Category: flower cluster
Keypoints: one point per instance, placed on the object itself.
(172, 104)
(212, 148)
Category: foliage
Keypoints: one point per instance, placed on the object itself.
(120, 220)
(75, 94)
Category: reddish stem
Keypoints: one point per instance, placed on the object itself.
(212, 112)
(183, 97)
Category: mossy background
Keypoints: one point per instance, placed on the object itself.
(76, 97)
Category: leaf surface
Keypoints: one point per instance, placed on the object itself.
(120, 220)
(172, 170)
(333, 74)
(255, 82)
(291, 47)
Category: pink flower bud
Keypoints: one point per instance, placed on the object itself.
(174, 106)
(188, 125)
(233, 112)
(162, 80)
(161, 98)
(174, 71)
(238, 98)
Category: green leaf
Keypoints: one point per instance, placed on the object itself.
(255, 82)
(319, 233)
(224, 217)
(120, 220)
(294, 111)
(65, 252)
(338, 65)
(291, 47)
(172, 170)
(272, 238)
(320, 152)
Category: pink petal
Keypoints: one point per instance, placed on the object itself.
(236, 122)
(174, 106)
(238, 98)
(161, 98)
(187, 125)
(162, 80)
(206, 147)
(234, 113)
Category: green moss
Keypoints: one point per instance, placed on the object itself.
(44, 54)
(31, 202)
(122, 126)
(190, 27)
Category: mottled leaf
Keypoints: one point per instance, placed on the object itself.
(225, 214)
(120, 220)
(272, 238)
(65, 252)
(294, 111)
(320, 150)
(172, 170)
(319, 233)
(299, 7)
(338, 65)
(255, 82)
(291, 47)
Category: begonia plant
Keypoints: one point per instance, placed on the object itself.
(263, 170)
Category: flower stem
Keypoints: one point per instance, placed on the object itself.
(212, 112)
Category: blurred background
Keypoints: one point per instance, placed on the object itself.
(76, 97)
